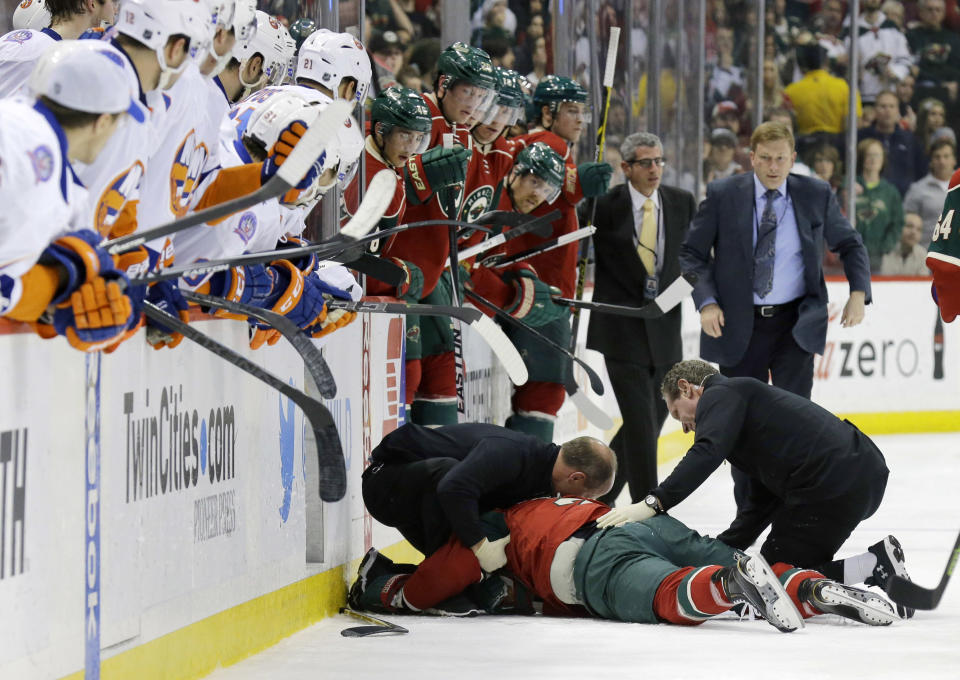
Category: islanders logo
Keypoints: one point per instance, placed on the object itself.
(185, 173)
(246, 227)
(115, 197)
(42, 160)
(19, 37)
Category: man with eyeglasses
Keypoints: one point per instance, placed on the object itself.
(756, 248)
(640, 226)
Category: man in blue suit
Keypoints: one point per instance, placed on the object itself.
(760, 292)
(756, 250)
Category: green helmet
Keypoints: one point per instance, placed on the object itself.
(301, 28)
(545, 163)
(402, 107)
(470, 64)
(508, 88)
(555, 89)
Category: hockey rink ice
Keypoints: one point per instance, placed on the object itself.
(920, 508)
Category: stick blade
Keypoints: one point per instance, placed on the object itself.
(505, 351)
(367, 631)
(330, 460)
(909, 594)
(587, 407)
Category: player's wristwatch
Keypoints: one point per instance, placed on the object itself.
(654, 503)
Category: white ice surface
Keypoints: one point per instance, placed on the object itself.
(920, 508)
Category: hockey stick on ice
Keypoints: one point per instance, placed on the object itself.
(499, 261)
(541, 226)
(591, 411)
(380, 626)
(909, 594)
(491, 333)
(333, 470)
(312, 358)
(595, 382)
(294, 168)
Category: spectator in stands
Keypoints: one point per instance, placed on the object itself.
(500, 51)
(727, 115)
(493, 18)
(423, 16)
(409, 76)
(616, 117)
(931, 116)
(906, 162)
(719, 162)
(825, 161)
(539, 59)
(387, 50)
(526, 43)
(611, 155)
(904, 90)
(724, 73)
(893, 10)
(908, 258)
(820, 100)
(828, 28)
(884, 55)
(773, 95)
(926, 196)
(937, 52)
(879, 205)
(424, 54)
(387, 15)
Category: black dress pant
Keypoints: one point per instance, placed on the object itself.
(773, 356)
(404, 495)
(637, 389)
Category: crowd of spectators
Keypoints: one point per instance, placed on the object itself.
(908, 79)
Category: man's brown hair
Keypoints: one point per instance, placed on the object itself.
(771, 131)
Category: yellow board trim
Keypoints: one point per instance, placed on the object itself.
(246, 629)
(241, 631)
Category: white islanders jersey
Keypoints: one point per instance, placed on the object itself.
(19, 52)
(39, 193)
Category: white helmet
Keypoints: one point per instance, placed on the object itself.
(238, 16)
(273, 43)
(327, 58)
(31, 14)
(152, 23)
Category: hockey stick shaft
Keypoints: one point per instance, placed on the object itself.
(612, 45)
(331, 248)
(909, 594)
(312, 358)
(657, 307)
(289, 174)
(491, 333)
(547, 246)
(509, 235)
(595, 382)
(333, 471)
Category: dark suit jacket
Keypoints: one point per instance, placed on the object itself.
(725, 222)
(620, 277)
(793, 450)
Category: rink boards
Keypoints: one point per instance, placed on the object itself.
(158, 512)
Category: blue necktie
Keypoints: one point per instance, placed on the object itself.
(765, 252)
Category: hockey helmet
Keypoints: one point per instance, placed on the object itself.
(540, 160)
(31, 14)
(462, 62)
(152, 23)
(507, 108)
(274, 45)
(327, 58)
(238, 16)
(401, 107)
(301, 29)
(555, 89)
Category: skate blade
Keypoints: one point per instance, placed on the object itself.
(780, 611)
(866, 607)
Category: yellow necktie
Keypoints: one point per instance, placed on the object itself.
(648, 237)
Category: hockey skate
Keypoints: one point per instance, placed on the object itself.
(890, 561)
(855, 604)
(751, 580)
